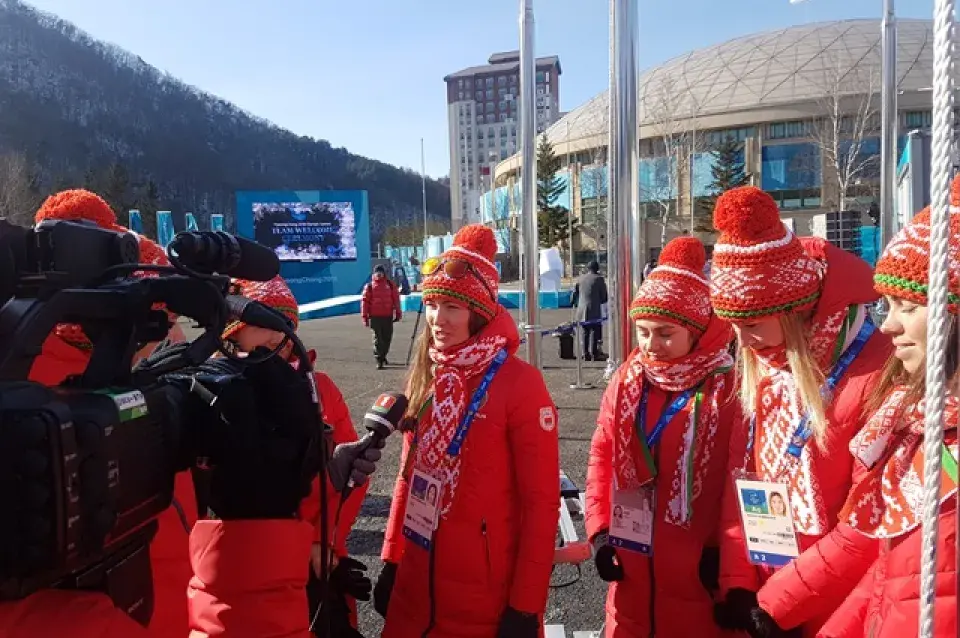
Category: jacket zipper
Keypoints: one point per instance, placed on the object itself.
(431, 584)
(650, 565)
(486, 547)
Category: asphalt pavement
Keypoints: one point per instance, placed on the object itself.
(344, 351)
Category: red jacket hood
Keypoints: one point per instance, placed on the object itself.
(848, 280)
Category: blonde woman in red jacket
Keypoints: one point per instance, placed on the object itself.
(809, 356)
(884, 508)
(470, 541)
(659, 455)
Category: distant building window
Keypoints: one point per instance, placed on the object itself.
(459, 84)
(479, 95)
(503, 117)
(513, 80)
(489, 82)
(502, 80)
(715, 138)
(503, 106)
(787, 130)
(918, 119)
(540, 76)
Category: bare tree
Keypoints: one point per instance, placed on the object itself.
(671, 112)
(592, 165)
(19, 198)
(848, 117)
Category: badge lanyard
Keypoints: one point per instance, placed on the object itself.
(803, 432)
(454, 448)
(461, 434)
(649, 441)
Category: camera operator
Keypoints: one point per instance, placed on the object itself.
(66, 352)
(263, 438)
(347, 582)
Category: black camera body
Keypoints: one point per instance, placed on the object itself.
(87, 467)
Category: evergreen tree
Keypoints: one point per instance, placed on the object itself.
(728, 171)
(551, 219)
(146, 199)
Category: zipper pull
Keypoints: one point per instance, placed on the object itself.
(483, 526)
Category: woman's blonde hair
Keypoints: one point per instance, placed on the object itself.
(807, 374)
(420, 377)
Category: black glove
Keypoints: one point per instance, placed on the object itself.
(263, 441)
(381, 593)
(605, 557)
(764, 626)
(517, 624)
(354, 462)
(709, 568)
(735, 612)
(348, 578)
(338, 617)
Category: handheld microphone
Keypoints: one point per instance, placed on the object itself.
(381, 420)
(384, 416)
(226, 254)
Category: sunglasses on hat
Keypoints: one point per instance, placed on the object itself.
(454, 268)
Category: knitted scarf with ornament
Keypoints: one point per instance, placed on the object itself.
(888, 501)
(150, 253)
(454, 370)
(779, 411)
(704, 364)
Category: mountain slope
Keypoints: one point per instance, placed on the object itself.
(74, 105)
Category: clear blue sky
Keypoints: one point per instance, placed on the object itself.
(368, 74)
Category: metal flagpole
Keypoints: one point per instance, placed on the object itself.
(530, 312)
(888, 123)
(570, 211)
(623, 227)
(423, 190)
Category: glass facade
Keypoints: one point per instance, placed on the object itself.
(658, 179)
(790, 167)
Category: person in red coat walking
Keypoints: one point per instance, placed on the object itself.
(809, 356)
(471, 536)
(277, 295)
(884, 507)
(663, 486)
(380, 309)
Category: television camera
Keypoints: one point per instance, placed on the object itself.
(88, 466)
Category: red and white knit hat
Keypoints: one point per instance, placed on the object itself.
(904, 267)
(476, 245)
(274, 293)
(759, 267)
(676, 289)
(82, 205)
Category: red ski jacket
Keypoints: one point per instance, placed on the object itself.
(886, 602)
(789, 598)
(236, 592)
(496, 546)
(662, 595)
(380, 298)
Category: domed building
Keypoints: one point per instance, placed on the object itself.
(796, 109)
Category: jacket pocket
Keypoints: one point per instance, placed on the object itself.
(486, 548)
